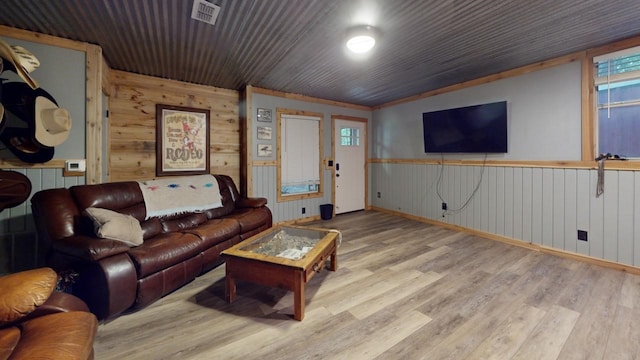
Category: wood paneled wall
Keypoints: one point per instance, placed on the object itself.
(132, 123)
(541, 206)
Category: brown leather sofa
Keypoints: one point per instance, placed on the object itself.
(37, 322)
(113, 276)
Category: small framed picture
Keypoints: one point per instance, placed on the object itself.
(264, 133)
(264, 115)
(265, 150)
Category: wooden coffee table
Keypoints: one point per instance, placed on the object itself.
(286, 257)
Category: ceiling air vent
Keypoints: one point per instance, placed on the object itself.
(205, 11)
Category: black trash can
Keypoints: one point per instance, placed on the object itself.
(326, 211)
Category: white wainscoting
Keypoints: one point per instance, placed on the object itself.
(542, 206)
(19, 248)
(265, 185)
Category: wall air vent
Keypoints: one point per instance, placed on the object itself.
(205, 11)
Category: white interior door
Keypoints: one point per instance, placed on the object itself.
(349, 141)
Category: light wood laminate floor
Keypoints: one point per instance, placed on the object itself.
(403, 290)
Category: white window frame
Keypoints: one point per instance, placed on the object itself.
(299, 142)
(611, 78)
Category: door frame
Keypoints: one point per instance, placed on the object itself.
(335, 117)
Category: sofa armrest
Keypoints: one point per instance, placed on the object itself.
(22, 292)
(66, 335)
(251, 202)
(58, 302)
(89, 248)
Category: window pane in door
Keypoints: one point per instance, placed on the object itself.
(349, 137)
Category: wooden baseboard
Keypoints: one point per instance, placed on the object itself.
(298, 221)
(67, 173)
(516, 242)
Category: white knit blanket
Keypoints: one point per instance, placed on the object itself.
(175, 195)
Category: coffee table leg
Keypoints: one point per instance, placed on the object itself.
(230, 288)
(298, 297)
(334, 260)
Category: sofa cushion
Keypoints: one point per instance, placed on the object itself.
(125, 197)
(226, 209)
(110, 224)
(182, 222)
(216, 231)
(22, 292)
(251, 218)
(151, 228)
(67, 335)
(163, 251)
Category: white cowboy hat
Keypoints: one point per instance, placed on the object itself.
(23, 61)
(52, 123)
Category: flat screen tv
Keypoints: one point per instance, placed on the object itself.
(469, 129)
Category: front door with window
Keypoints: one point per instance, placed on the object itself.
(350, 141)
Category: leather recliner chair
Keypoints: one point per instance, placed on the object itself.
(37, 322)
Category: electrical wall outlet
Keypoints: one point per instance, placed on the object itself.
(379, 195)
(583, 235)
(304, 210)
(444, 206)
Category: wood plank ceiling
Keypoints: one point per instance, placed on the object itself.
(296, 46)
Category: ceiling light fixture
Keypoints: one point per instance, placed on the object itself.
(361, 39)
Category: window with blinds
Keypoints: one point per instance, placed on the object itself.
(299, 155)
(617, 89)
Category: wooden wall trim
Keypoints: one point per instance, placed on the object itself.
(17, 164)
(520, 243)
(555, 164)
(265, 163)
(333, 158)
(123, 78)
(106, 77)
(246, 142)
(490, 78)
(588, 110)
(93, 121)
(614, 46)
(350, 118)
(43, 39)
(310, 99)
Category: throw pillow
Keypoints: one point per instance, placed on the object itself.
(109, 224)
